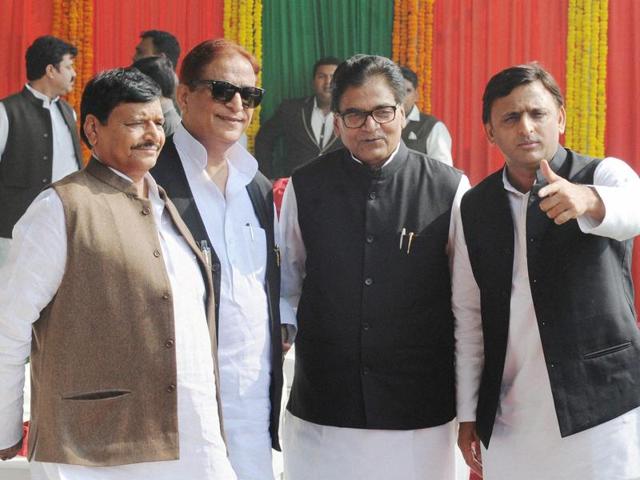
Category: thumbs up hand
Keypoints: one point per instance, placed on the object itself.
(564, 201)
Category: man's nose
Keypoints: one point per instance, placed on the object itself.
(235, 103)
(527, 125)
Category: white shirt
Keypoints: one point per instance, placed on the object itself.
(64, 156)
(321, 124)
(30, 279)
(439, 140)
(526, 442)
(244, 339)
(319, 452)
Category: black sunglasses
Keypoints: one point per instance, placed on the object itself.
(224, 92)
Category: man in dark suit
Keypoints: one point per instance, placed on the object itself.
(228, 206)
(305, 125)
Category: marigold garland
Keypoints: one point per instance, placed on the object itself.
(242, 24)
(73, 22)
(587, 48)
(412, 42)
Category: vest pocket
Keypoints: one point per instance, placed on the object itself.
(607, 351)
(98, 395)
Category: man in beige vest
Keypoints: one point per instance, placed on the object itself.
(107, 292)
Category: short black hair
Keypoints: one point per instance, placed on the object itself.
(504, 82)
(44, 51)
(160, 70)
(325, 61)
(110, 88)
(355, 71)
(164, 43)
(409, 75)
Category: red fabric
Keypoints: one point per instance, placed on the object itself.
(472, 42)
(21, 22)
(279, 187)
(119, 24)
(24, 451)
(623, 82)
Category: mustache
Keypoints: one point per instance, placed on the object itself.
(146, 145)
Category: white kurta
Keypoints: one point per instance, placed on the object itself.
(29, 281)
(244, 338)
(526, 442)
(320, 452)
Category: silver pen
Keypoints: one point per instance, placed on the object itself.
(402, 234)
(206, 251)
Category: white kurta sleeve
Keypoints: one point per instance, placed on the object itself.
(294, 256)
(439, 144)
(28, 281)
(468, 325)
(619, 188)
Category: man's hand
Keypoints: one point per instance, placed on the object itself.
(564, 201)
(9, 453)
(469, 445)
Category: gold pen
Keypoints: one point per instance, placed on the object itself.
(411, 237)
(277, 250)
(206, 251)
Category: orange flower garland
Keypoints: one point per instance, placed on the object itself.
(73, 22)
(412, 42)
(587, 48)
(242, 23)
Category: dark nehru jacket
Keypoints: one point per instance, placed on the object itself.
(421, 130)
(375, 341)
(583, 299)
(26, 164)
(170, 174)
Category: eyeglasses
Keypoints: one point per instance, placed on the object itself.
(357, 118)
(224, 92)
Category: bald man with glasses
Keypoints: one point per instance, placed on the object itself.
(228, 206)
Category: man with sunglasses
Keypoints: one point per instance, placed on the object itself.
(228, 206)
(368, 228)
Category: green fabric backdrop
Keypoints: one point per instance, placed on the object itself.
(298, 32)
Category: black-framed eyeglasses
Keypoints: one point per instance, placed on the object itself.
(224, 92)
(353, 118)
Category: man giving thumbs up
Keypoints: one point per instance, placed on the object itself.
(548, 351)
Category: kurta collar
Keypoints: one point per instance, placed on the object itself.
(119, 180)
(240, 160)
(556, 162)
(390, 166)
(46, 101)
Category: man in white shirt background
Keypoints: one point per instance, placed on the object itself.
(228, 206)
(548, 350)
(105, 273)
(39, 142)
(422, 132)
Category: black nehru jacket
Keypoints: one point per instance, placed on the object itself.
(26, 164)
(582, 295)
(421, 130)
(375, 341)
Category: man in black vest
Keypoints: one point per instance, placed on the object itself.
(542, 278)
(304, 124)
(228, 206)
(424, 133)
(39, 141)
(367, 243)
